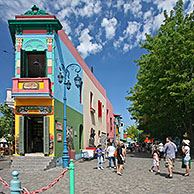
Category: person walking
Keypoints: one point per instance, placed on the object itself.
(186, 152)
(170, 150)
(111, 150)
(120, 158)
(99, 157)
(156, 161)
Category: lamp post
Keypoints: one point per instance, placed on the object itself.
(64, 77)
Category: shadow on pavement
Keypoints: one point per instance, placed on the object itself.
(180, 173)
(162, 174)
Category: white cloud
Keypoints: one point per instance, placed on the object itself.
(134, 7)
(119, 4)
(78, 29)
(90, 8)
(147, 15)
(11, 8)
(117, 43)
(66, 26)
(157, 21)
(132, 28)
(110, 27)
(190, 7)
(165, 5)
(87, 46)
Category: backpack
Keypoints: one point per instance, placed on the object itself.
(115, 154)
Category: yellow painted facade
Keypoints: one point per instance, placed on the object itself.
(35, 102)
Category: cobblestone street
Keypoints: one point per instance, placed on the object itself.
(88, 180)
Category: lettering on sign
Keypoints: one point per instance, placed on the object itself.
(34, 109)
(30, 85)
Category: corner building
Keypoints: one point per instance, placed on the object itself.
(41, 49)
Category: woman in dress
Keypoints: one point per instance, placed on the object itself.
(186, 151)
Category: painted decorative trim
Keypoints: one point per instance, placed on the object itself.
(30, 86)
(44, 110)
(34, 36)
(18, 62)
(49, 44)
(35, 32)
(19, 44)
(18, 70)
(49, 55)
(59, 126)
(28, 45)
(59, 137)
(49, 62)
(35, 11)
(49, 70)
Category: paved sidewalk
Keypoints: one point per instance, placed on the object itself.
(88, 180)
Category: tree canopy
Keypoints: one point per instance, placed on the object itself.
(163, 97)
(7, 122)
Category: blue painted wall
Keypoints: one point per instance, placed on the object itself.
(63, 56)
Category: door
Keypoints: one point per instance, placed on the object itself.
(46, 135)
(80, 136)
(21, 135)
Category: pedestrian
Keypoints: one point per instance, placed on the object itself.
(170, 149)
(124, 153)
(161, 150)
(156, 161)
(111, 150)
(120, 158)
(186, 152)
(98, 151)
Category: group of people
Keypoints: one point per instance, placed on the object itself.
(169, 151)
(113, 153)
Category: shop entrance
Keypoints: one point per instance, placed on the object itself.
(33, 134)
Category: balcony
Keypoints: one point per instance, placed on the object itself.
(32, 87)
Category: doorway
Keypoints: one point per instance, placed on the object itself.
(33, 134)
(80, 136)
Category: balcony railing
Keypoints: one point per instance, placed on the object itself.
(32, 87)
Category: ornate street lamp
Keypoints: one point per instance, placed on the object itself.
(78, 81)
(62, 78)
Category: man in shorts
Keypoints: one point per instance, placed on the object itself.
(170, 149)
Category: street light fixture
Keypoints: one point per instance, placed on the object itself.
(62, 78)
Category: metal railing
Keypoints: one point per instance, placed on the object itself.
(15, 184)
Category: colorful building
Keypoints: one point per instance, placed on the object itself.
(42, 50)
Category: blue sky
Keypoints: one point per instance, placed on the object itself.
(106, 33)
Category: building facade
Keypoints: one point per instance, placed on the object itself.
(43, 53)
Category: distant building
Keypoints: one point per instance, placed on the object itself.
(9, 99)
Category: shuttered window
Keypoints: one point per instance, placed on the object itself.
(46, 135)
(99, 108)
(21, 135)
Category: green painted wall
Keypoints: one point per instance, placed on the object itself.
(75, 119)
(58, 117)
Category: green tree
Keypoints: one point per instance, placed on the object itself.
(7, 122)
(163, 97)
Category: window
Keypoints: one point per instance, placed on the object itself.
(91, 100)
(99, 109)
(111, 123)
(33, 64)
